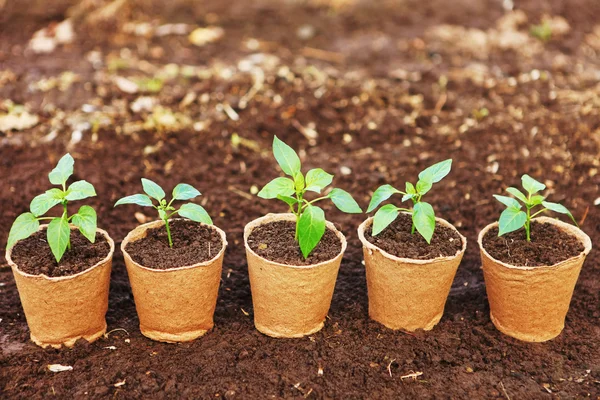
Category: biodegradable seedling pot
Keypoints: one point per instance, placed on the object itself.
(176, 304)
(530, 303)
(61, 310)
(290, 300)
(405, 293)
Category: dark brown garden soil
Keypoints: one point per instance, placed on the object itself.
(398, 240)
(193, 243)
(391, 87)
(33, 255)
(549, 245)
(275, 242)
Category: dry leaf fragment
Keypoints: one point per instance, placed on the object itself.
(59, 368)
(203, 36)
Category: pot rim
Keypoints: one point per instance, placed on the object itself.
(158, 223)
(568, 228)
(371, 246)
(106, 259)
(271, 217)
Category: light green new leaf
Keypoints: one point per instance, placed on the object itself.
(344, 201)
(531, 185)
(86, 221)
(299, 182)
(317, 180)
(286, 157)
(152, 189)
(380, 195)
(58, 235)
(410, 188)
(436, 172)
(424, 219)
(510, 220)
(290, 201)
(311, 227)
(80, 190)
(24, 226)
(139, 199)
(559, 208)
(278, 186)
(408, 196)
(508, 201)
(536, 200)
(195, 213)
(56, 193)
(42, 203)
(383, 217)
(517, 193)
(62, 171)
(183, 191)
(162, 214)
(423, 186)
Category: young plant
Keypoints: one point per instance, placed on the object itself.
(58, 232)
(310, 219)
(182, 191)
(423, 216)
(514, 217)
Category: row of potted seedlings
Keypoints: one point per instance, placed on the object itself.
(62, 269)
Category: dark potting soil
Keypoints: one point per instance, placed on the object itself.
(33, 255)
(549, 245)
(398, 240)
(275, 242)
(193, 243)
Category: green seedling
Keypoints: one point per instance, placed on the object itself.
(59, 231)
(310, 219)
(182, 191)
(423, 216)
(542, 31)
(514, 217)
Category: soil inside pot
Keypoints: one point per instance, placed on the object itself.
(275, 242)
(193, 243)
(398, 240)
(549, 245)
(33, 255)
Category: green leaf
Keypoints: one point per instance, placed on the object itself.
(410, 188)
(290, 201)
(195, 213)
(517, 193)
(383, 217)
(152, 189)
(536, 200)
(299, 182)
(286, 157)
(511, 220)
(42, 203)
(139, 199)
(24, 226)
(278, 186)
(344, 201)
(508, 201)
(62, 171)
(408, 196)
(162, 214)
(317, 180)
(86, 221)
(311, 227)
(80, 190)
(423, 186)
(559, 208)
(380, 195)
(183, 191)
(424, 219)
(58, 235)
(531, 185)
(56, 193)
(436, 172)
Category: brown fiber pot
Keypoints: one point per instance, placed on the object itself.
(290, 300)
(176, 304)
(405, 293)
(61, 310)
(530, 303)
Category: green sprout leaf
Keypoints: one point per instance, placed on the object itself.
(380, 195)
(86, 221)
(152, 189)
(317, 180)
(277, 187)
(286, 157)
(290, 201)
(559, 208)
(195, 212)
(383, 217)
(517, 193)
(139, 199)
(423, 186)
(536, 200)
(24, 226)
(58, 235)
(511, 220)
(299, 183)
(508, 201)
(436, 172)
(311, 227)
(183, 191)
(42, 203)
(424, 220)
(80, 190)
(531, 185)
(344, 201)
(62, 171)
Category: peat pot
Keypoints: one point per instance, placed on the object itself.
(61, 310)
(405, 293)
(530, 303)
(290, 300)
(175, 304)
